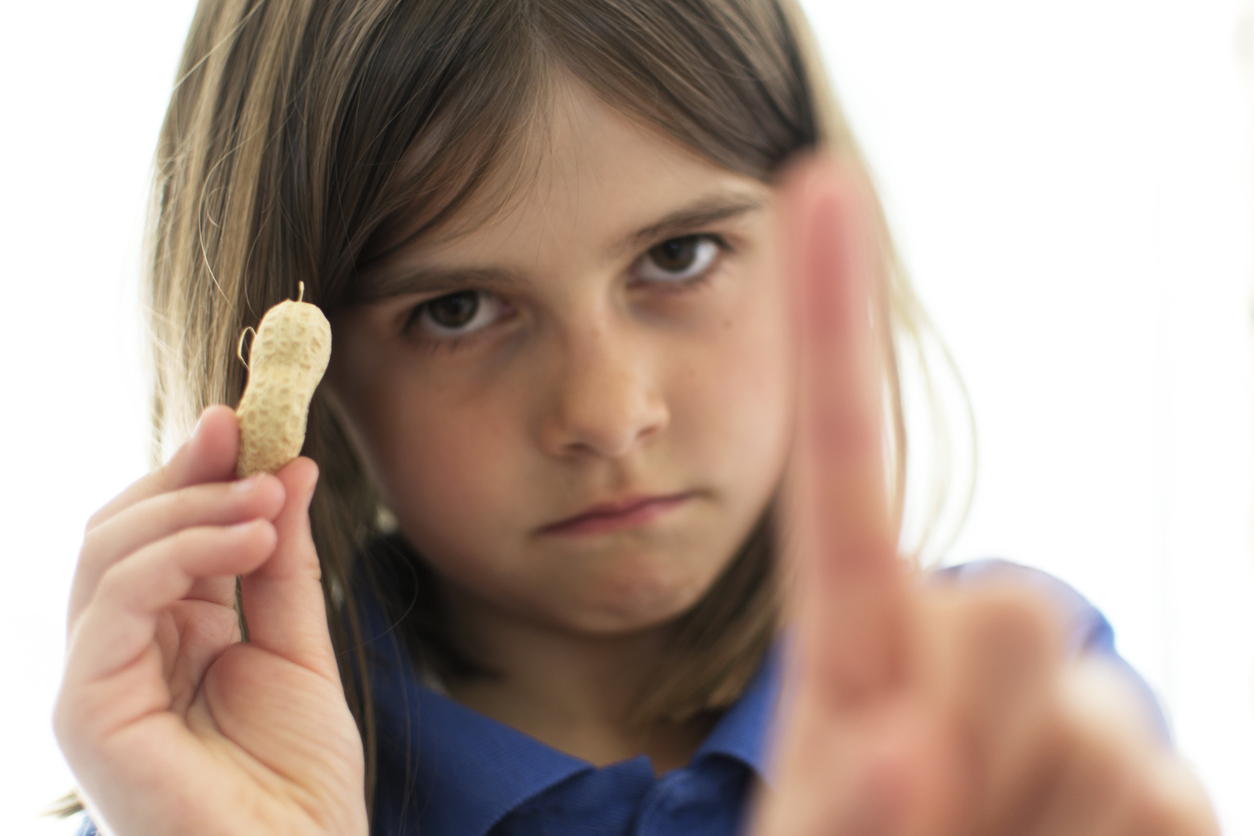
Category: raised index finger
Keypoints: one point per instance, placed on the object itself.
(851, 596)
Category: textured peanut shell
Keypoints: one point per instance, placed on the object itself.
(288, 356)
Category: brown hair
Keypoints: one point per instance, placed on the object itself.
(306, 139)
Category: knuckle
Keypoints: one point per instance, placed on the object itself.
(1149, 812)
(63, 721)
(1112, 758)
(163, 478)
(155, 483)
(186, 539)
(1005, 667)
(1170, 801)
(94, 521)
(1011, 631)
(113, 580)
(1106, 768)
(72, 723)
(91, 545)
(179, 506)
(259, 535)
(67, 715)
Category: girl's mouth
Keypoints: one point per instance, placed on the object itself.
(612, 516)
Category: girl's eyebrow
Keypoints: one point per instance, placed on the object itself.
(404, 280)
(707, 210)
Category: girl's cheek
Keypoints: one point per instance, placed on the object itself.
(452, 471)
(738, 392)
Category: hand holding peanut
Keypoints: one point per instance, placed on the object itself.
(170, 723)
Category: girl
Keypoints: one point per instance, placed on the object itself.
(604, 414)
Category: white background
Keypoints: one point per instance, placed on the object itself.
(1070, 184)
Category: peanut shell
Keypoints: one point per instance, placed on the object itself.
(288, 357)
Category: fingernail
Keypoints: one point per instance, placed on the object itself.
(245, 485)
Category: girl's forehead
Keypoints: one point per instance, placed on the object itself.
(586, 173)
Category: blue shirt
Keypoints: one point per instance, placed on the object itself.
(445, 770)
(474, 776)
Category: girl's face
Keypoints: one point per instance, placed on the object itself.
(578, 409)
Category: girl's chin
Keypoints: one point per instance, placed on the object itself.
(616, 590)
(636, 606)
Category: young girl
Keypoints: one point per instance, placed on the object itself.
(599, 460)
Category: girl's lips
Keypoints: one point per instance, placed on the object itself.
(608, 517)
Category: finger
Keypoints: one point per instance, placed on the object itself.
(854, 590)
(995, 654)
(1115, 777)
(283, 602)
(120, 622)
(162, 515)
(894, 775)
(1172, 802)
(208, 456)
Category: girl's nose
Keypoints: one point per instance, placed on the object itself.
(605, 400)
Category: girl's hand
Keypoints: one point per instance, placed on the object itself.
(169, 722)
(913, 709)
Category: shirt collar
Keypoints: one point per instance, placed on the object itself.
(742, 733)
(452, 770)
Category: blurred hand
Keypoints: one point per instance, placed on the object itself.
(172, 725)
(912, 709)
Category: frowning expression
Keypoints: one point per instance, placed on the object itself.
(578, 409)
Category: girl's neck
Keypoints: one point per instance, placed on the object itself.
(574, 692)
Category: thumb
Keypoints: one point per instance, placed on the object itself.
(283, 601)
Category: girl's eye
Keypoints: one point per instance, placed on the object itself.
(679, 259)
(456, 314)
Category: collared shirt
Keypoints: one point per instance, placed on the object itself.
(446, 770)
(450, 771)
(473, 775)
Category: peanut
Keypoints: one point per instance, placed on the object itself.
(288, 357)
